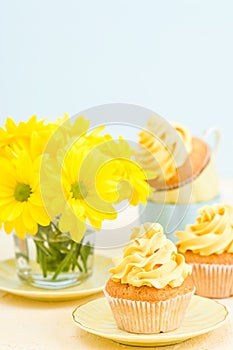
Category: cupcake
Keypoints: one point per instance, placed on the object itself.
(178, 158)
(186, 175)
(150, 287)
(207, 246)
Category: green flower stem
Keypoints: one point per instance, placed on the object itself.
(55, 228)
(56, 253)
(43, 249)
(43, 263)
(65, 262)
(75, 259)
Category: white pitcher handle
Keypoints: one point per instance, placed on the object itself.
(216, 138)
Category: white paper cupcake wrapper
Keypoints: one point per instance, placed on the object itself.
(213, 280)
(145, 317)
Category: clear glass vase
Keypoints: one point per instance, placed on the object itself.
(52, 260)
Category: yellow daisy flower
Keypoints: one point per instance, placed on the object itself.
(121, 177)
(117, 149)
(21, 206)
(74, 182)
(31, 136)
(71, 131)
(5, 150)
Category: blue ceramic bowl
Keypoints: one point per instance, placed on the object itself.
(173, 217)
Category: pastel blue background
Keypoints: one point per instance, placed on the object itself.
(174, 57)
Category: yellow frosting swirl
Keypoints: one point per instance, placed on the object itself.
(162, 150)
(150, 259)
(184, 134)
(212, 232)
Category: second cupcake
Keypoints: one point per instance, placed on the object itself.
(150, 287)
(208, 246)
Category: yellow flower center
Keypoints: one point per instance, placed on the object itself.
(22, 192)
(79, 190)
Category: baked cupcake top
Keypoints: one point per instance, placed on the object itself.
(172, 152)
(212, 232)
(150, 260)
(162, 148)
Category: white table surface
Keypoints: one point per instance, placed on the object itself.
(37, 325)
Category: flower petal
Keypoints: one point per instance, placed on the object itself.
(39, 214)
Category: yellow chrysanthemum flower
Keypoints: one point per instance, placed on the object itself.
(31, 136)
(73, 179)
(73, 127)
(117, 149)
(69, 130)
(74, 130)
(95, 173)
(21, 206)
(5, 150)
(121, 179)
(64, 170)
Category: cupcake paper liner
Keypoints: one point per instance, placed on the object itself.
(213, 280)
(145, 317)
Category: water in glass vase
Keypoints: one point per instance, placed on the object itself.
(51, 260)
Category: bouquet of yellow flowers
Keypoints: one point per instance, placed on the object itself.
(61, 177)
